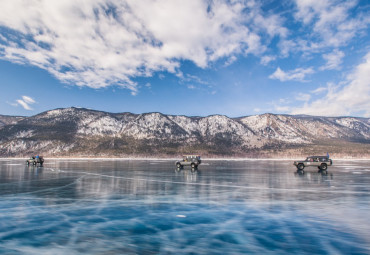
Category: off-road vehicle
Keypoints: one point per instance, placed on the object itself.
(321, 162)
(34, 160)
(189, 160)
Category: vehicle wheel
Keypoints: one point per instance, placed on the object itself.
(300, 172)
(300, 167)
(178, 165)
(323, 167)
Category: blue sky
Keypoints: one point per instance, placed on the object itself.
(192, 57)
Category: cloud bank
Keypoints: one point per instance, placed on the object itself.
(350, 98)
(98, 43)
(102, 42)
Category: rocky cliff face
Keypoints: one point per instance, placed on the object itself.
(82, 132)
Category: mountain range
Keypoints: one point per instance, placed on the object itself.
(79, 132)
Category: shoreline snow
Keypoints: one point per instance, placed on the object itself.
(170, 159)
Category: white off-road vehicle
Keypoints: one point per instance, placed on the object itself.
(189, 160)
(34, 160)
(321, 162)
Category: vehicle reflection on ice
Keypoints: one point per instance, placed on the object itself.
(309, 174)
(315, 178)
(189, 175)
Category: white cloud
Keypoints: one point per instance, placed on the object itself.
(324, 25)
(329, 23)
(103, 42)
(188, 78)
(28, 100)
(348, 98)
(271, 24)
(292, 75)
(98, 43)
(24, 102)
(286, 46)
(303, 97)
(282, 109)
(230, 60)
(319, 90)
(24, 105)
(281, 106)
(267, 59)
(333, 60)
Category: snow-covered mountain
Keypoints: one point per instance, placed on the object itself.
(6, 120)
(83, 132)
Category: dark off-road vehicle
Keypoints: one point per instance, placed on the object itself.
(189, 160)
(34, 160)
(321, 162)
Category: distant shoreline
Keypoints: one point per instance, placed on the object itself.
(177, 158)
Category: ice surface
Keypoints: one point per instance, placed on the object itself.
(147, 207)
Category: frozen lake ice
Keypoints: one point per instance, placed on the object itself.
(147, 207)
